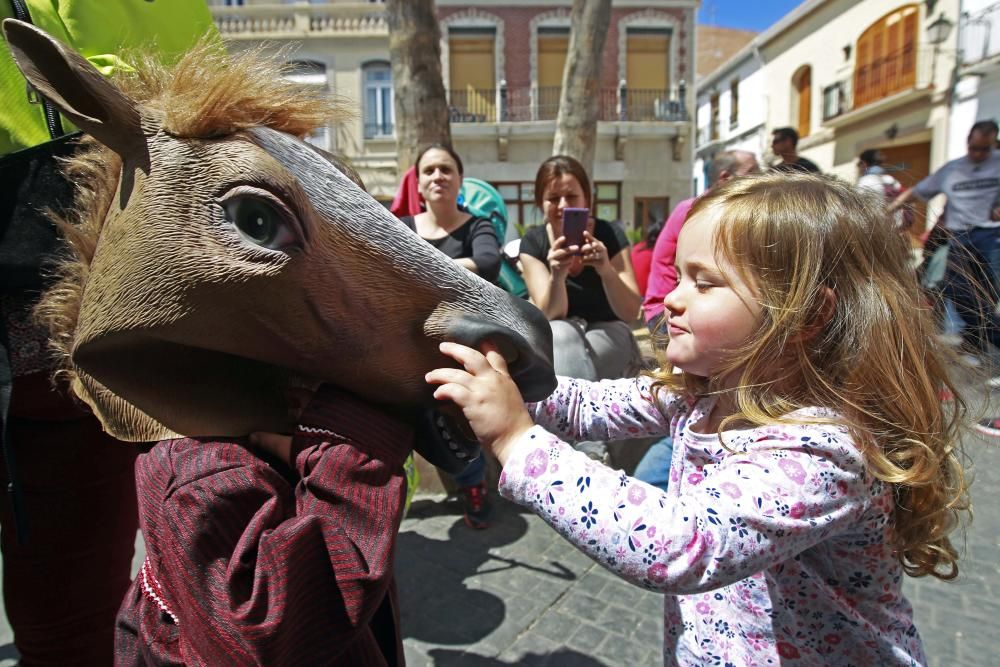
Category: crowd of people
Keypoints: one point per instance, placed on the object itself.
(788, 490)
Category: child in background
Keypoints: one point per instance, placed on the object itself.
(813, 464)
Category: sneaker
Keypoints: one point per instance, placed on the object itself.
(476, 506)
(989, 427)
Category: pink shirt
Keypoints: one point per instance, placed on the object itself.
(662, 273)
(774, 548)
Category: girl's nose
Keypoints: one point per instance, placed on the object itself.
(672, 301)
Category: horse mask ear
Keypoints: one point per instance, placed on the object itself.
(75, 86)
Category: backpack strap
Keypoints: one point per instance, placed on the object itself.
(52, 118)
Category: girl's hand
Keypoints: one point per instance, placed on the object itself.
(562, 261)
(595, 254)
(486, 394)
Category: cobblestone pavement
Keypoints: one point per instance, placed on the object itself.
(518, 594)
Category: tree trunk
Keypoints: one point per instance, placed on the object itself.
(576, 125)
(418, 91)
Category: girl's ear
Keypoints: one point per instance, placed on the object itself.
(826, 307)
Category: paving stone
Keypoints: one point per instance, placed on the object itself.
(587, 638)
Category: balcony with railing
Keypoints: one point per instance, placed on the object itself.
(907, 70)
(525, 104)
(979, 35)
(296, 21)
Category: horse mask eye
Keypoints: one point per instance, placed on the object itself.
(259, 222)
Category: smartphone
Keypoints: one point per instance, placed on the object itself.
(574, 223)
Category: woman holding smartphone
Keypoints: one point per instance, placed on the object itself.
(471, 241)
(587, 290)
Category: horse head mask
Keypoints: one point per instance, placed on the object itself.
(219, 259)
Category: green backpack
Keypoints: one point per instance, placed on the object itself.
(482, 199)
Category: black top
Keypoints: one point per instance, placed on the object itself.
(475, 240)
(800, 164)
(585, 292)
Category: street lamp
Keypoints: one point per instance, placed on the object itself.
(938, 30)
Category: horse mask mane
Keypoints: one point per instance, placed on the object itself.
(218, 259)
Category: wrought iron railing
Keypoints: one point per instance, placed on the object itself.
(979, 35)
(907, 69)
(516, 104)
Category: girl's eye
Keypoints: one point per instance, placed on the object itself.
(259, 222)
(701, 285)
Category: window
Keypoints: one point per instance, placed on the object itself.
(886, 56)
(713, 121)
(519, 198)
(608, 200)
(471, 72)
(378, 111)
(649, 210)
(647, 72)
(311, 72)
(834, 101)
(520, 201)
(802, 100)
(552, 46)
(734, 103)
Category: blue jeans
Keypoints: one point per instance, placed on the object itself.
(474, 473)
(970, 284)
(654, 468)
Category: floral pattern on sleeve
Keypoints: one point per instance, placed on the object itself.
(774, 546)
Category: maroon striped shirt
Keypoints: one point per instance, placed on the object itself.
(245, 567)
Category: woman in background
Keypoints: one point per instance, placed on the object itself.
(470, 241)
(589, 295)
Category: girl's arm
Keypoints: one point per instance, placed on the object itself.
(605, 410)
(259, 575)
(756, 509)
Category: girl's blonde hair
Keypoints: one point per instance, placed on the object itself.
(873, 357)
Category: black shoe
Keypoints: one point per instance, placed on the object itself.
(476, 505)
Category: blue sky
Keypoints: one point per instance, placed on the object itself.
(756, 15)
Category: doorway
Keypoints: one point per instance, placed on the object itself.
(910, 164)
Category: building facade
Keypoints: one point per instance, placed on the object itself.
(977, 78)
(502, 66)
(848, 76)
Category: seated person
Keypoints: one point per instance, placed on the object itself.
(589, 294)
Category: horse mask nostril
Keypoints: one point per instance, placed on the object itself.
(528, 356)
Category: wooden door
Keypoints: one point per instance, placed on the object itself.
(910, 164)
(886, 56)
(804, 87)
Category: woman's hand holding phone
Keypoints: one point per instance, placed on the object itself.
(595, 254)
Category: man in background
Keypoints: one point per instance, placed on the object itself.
(784, 143)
